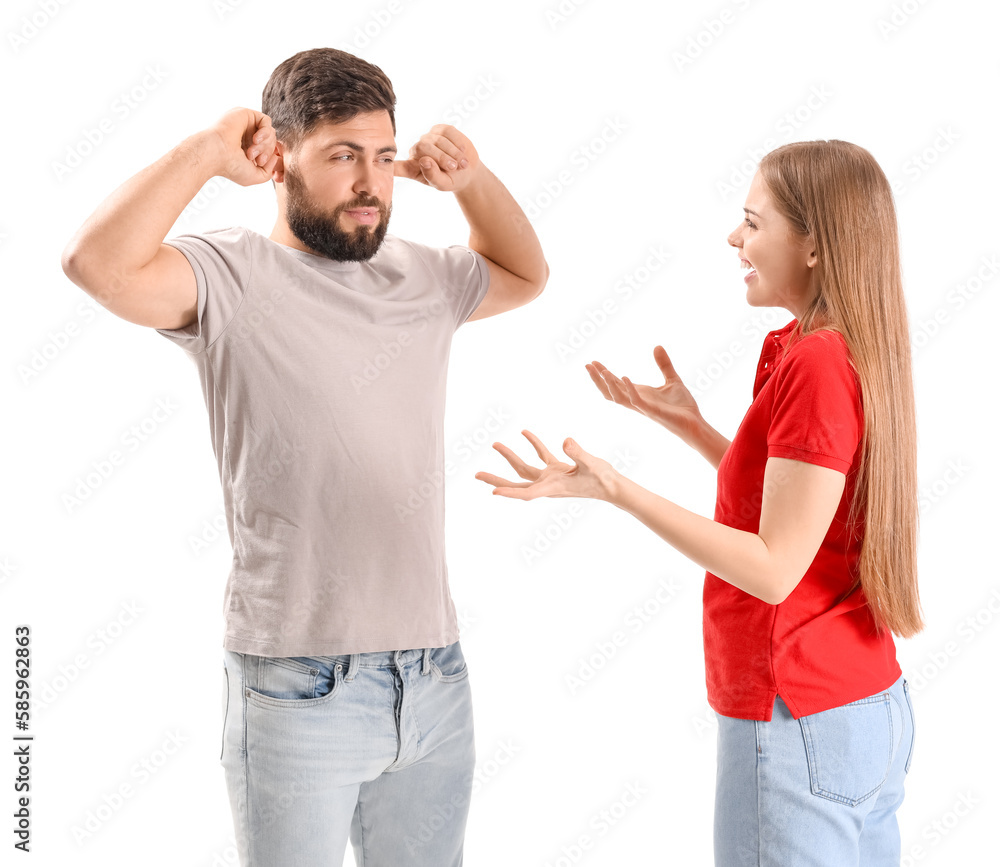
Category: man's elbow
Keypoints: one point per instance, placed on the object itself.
(80, 269)
(535, 287)
(71, 262)
(80, 265)
(107, 284)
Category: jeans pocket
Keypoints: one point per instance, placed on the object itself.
(913, 724)
(849, 749)
(448, 663)
(291, 681)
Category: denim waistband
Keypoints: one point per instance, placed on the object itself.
(380, 659)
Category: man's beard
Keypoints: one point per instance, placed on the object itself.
(320, 230)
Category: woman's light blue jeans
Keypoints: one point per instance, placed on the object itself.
(819, 791)
(378, 746)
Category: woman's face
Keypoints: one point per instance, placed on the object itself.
(782, 264)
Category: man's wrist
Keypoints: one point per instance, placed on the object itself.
(478, 184)
(207, 152)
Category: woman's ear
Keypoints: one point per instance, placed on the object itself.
(809, 247)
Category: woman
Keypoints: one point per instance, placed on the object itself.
(811, 556)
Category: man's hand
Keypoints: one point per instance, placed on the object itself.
(443, 159)
(118, 255)
(247, 144)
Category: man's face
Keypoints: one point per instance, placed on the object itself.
(338, 187)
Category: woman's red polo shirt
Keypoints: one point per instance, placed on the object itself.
(813, 650)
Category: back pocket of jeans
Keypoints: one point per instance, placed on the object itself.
(849, 749)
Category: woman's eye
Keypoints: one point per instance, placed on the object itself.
(747, 221)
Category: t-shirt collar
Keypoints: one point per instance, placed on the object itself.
(774, 345)
(324, 263)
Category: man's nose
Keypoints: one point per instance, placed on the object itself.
(367, 181)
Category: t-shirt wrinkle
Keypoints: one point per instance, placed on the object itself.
(244, 290)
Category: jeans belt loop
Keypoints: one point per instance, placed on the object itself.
(426, 669)
(352, 666)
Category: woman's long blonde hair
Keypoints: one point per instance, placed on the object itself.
(835, 192)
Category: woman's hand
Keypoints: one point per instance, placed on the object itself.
(670, 404)
(588, 476)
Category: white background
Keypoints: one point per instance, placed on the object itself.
(532, 87)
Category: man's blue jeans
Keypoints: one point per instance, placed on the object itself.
(819, 791)
(375, 745)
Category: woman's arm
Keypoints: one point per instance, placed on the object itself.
(707, 441)
(799, 502)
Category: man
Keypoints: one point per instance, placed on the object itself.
(322, 352)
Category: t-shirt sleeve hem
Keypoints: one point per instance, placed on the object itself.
(190, 337)
(195, 248)
(484, 286)
(797, 453)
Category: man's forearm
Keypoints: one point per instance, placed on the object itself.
(499, 229)
(126, 230)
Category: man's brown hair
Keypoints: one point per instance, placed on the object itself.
(323, 84)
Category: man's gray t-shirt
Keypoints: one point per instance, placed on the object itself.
(325, 388)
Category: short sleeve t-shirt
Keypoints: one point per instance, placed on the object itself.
(819, 648)
(324, 383)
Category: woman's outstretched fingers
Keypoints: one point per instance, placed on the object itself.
(524, 470)
(498, 482)
(595, 370)
(618, 391)
(543, 452)
(632, 392)
(664, 363)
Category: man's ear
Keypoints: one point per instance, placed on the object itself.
(278, 172)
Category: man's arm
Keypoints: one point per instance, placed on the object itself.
(118, 255)
(498, 229)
